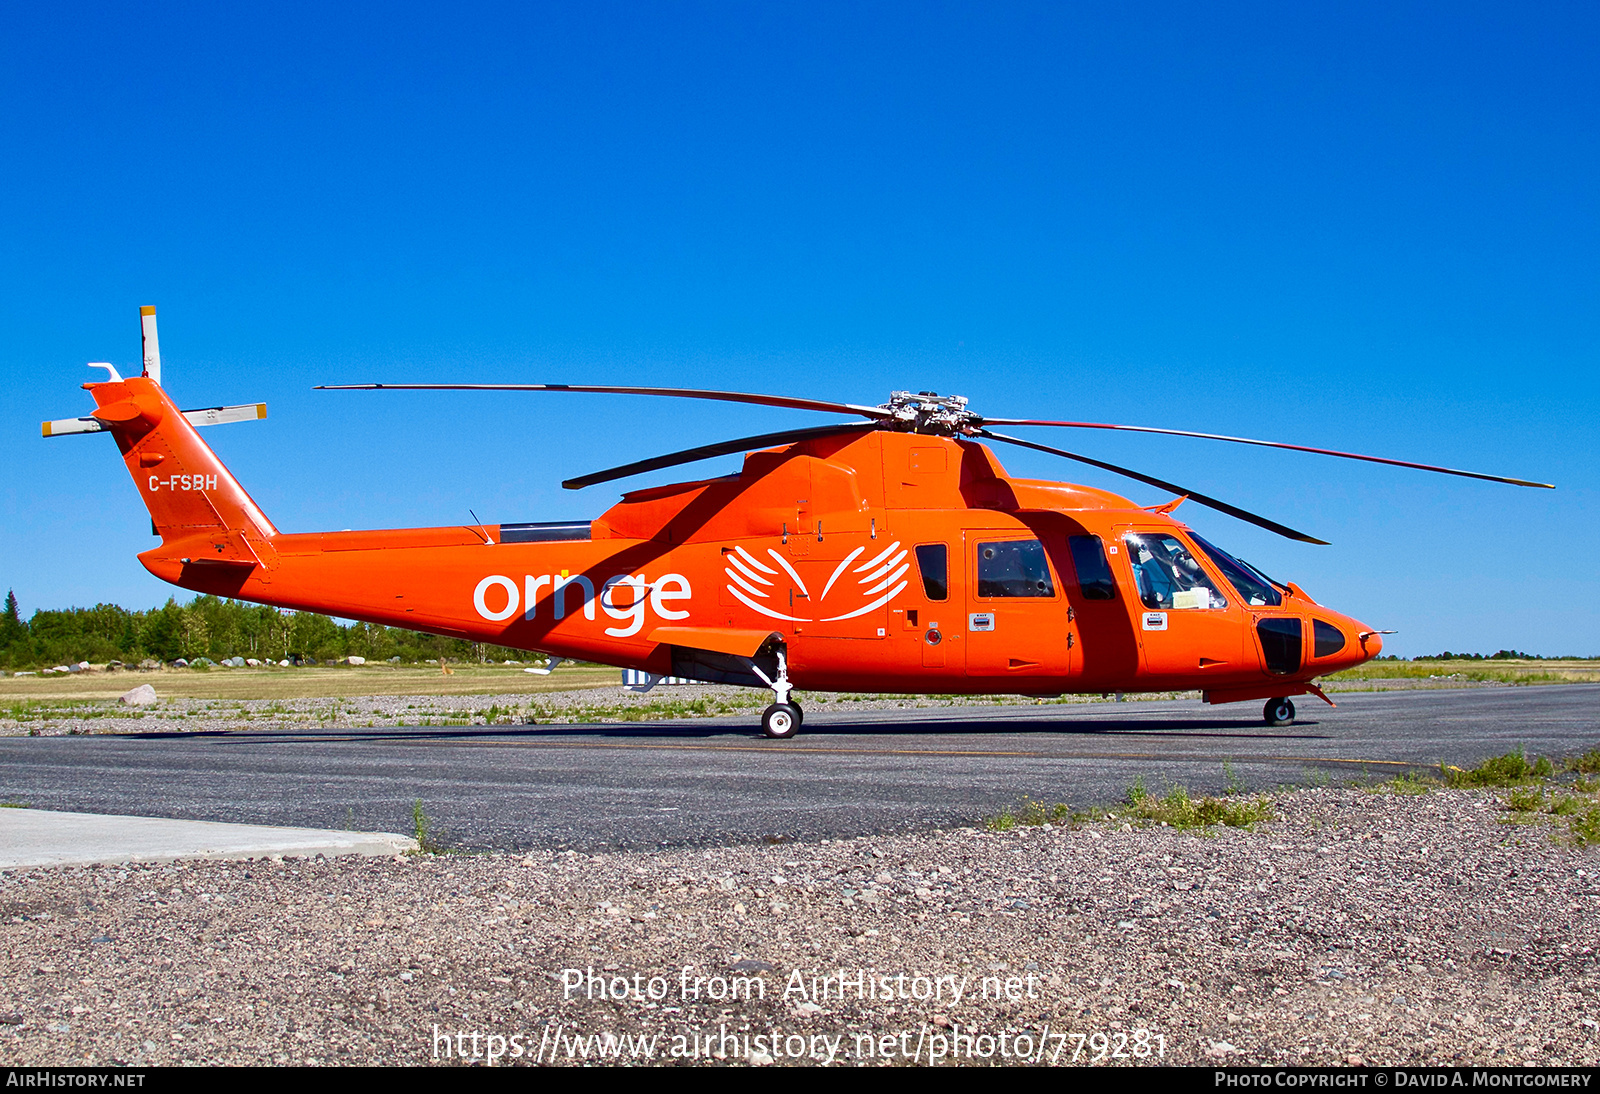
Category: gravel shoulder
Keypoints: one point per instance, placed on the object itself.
(1354, 927)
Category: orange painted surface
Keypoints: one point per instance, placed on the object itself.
(816, 543)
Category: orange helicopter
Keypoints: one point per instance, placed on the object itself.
(890, 553)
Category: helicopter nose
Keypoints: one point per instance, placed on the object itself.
(1342, 642)
(1371, 642)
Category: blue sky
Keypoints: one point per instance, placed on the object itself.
(1364, 227)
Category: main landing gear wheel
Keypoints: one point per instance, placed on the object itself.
(1278, 712)
(781, 721)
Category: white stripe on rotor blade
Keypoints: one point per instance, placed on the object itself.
(753, 606)
(743, 583)
(880, 602)
(849, 558)
(801, 585)
(887, 551)
(763, 567)
(890, 580)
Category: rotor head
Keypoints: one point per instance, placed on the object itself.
(930, 412)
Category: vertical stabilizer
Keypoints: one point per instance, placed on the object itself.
(152, 347)
(183, 484)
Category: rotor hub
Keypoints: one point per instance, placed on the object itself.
(930, 412)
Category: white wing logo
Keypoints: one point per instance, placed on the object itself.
(752, 580)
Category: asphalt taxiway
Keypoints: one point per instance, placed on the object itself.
(676, 783)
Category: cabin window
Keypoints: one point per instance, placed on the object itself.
(933, 559)
(1327, 639)
(1169, 577)
(1094, 572)
(1014, 568)
(1251, 584)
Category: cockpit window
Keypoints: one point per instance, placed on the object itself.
(1169, 577)
(1014, 568)
(1327, 638)
(1253, 585)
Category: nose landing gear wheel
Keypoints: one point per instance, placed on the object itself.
(781, 721)
(1278, 712)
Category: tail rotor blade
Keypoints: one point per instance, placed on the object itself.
(1192, 495)
(152, 345)
(1271, 444)
(710, 451)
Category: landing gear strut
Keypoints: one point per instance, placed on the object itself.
(783, 718)
(1278, 712)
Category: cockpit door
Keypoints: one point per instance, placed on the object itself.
(1189, 623)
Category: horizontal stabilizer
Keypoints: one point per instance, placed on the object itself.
(216, 415)
(216, 547)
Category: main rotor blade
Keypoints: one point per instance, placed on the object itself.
(1272, 444)
(708, 451)
(1192, 495)
(874, 412)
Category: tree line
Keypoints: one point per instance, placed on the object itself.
(212, 627)
(1499, 655)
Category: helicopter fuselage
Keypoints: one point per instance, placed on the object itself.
(882, 562)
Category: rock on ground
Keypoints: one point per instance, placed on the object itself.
(142, 696)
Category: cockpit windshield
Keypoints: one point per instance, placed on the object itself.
(1256, 588)
(1168, 575)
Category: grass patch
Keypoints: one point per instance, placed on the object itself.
(1529, 805)
(1587, 764)
(1030, 814)
(1445, 673)
(1512, 769)
(423, 832)
(1533, 799)
(1584, 828)
(704, 706)
(1568, 805)
(1529, 799)
(306, 682)
(1412, 783)
(1177, 809)
(60, 710)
